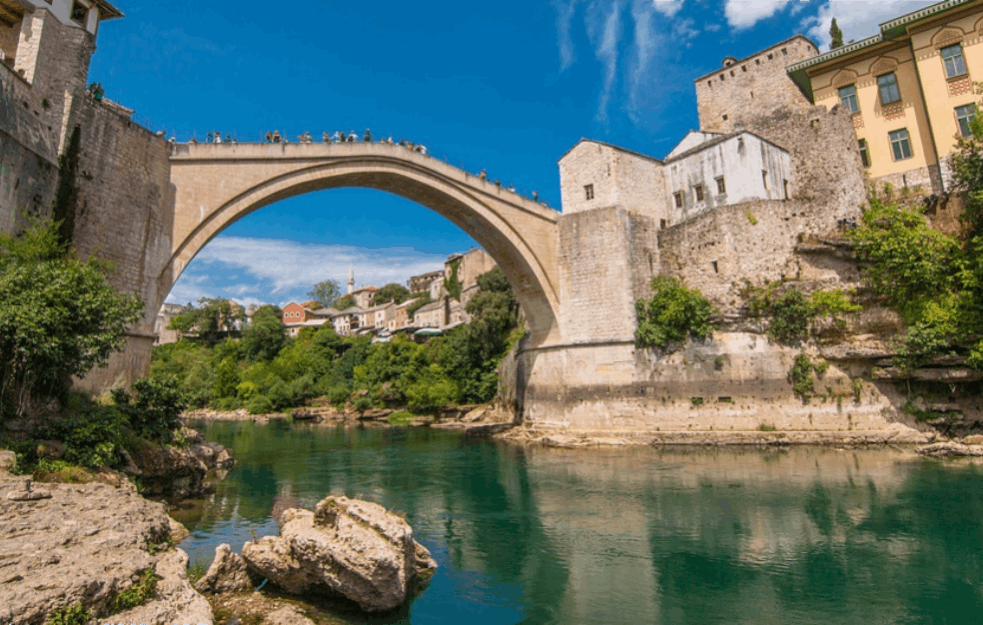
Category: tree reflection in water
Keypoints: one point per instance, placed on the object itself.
(551, 536)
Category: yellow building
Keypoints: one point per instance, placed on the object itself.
(910, 88)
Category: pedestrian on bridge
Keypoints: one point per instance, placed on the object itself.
(367, 136)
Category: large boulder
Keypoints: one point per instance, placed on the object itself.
(228, 573)
(351, 547)
(178, 472)
(174, 600)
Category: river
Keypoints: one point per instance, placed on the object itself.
(692, 536)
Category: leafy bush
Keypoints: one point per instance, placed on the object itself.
(791, 316)
(93, 436)
(156, 410)
(259, 404)
(430, 395)
(673, 315)
(59, 317)
(76, 614)
(803, 375)
(138, 594)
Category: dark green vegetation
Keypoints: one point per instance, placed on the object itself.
(324, 293)
(933, 280)
(267, 372)
(792, 315)
(212, 320)
(673, 315)
(59, 318)
(804, 374)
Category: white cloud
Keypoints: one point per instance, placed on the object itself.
(607, 52)
(858, 20)
(746, 13)
(645, 45)
(289, 269)
(564, 17)
(684, 29)
(669, 8)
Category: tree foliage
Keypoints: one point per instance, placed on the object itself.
(344, 302)
(325, 293)
(265, 336)
(835, 35)
(392, 292)
(673, 315)
(213, 319)
(59, 316)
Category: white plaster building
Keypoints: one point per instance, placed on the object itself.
(703, 171)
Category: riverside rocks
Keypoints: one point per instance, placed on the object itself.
(227, 573)
(86, 544)
(174, 601)
(951, 450)
(351, 547)
(178, 472)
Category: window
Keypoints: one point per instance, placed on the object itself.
(785, 187)
(721, 78)
(79, 13)
(698, 192)
(589, 191)
(771, 56)
(848, 97)
(784, 51)
(757, 61)
(678, 195)
(725, 118)
(721, 188)
(764, 179)
(887, 84)
(964, 115)
(864, 153)
(900, 144)
(952, 58)
(743, 68)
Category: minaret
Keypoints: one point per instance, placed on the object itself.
(351, 279)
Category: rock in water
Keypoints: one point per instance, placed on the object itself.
(354, 548)
(227, 573)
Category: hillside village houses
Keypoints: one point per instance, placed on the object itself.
(442, 313)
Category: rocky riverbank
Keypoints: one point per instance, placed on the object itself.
(86, 548)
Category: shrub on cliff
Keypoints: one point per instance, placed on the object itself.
(155, 410)
(59, 316)
(673, 315)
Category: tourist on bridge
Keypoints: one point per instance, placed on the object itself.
(325, 137)
(535, 196)
(389, 140)
(422, 149)
(367, 136)
(218, 137)
(512, 188)
(352, 137)
(336, 137)
(483, 175)
(229, 139)
(210, 137)
(306, 137)
(269, 137)
(276, 136)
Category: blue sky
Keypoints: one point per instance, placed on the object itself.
(507, 86)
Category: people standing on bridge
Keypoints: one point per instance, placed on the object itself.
(389, 140)
(483, 175)
(367, 136)
(306, 137)
(210, 137)
(512, 188)
(336, 137)
(535, 196)
(218, 137)
(269, 137)
(229, 139)
(402, 142)
(325, 137)
(276, 136)
(422, 149)
(352, 137)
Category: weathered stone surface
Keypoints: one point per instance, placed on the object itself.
(287, 615)
(84, 544)
(354, 548)
(8, 460)
(178, 472)
(175, 601)
(951, 450)
(227, 573)
(178, 531)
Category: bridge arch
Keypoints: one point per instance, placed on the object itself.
(214, 185)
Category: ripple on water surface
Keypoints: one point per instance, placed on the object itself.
(648, 536)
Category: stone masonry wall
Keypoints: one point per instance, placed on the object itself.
(735, 94)
(718, 250)
(122, 213)
(606, 259)
(825, 156)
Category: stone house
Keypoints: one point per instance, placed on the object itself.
(909, 88)
(431, 315)
(364, 296)
(377, 317)
(401, 318)
(161, 327)
(346, 322)
(424, 283)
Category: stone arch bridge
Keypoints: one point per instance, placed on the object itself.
(214, 185)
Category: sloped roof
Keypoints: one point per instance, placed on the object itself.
(612, 146)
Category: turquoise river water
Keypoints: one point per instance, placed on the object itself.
(534, 535)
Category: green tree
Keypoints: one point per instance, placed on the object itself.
(836, 36)
(226, 378)
(419, 301)
(967, 170)
(344, 302)
(452, 284)
(213, 319)
(904, 260)
(59, 316)
(265, 336)
(392, 292)
(325, 293)
(673, 315)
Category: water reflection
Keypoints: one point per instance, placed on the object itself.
(553, 536)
